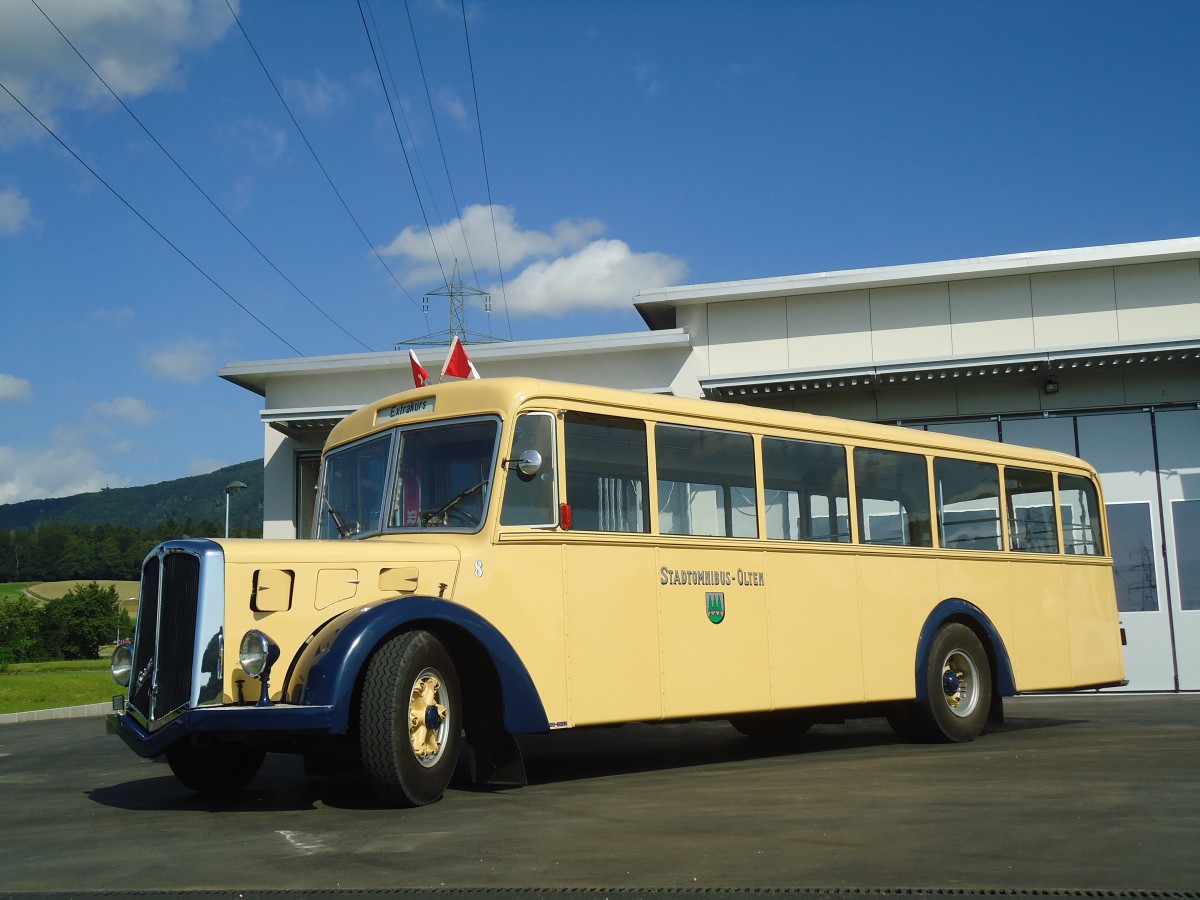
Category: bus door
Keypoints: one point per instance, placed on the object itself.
(609, 565)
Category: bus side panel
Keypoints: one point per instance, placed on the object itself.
(518, 588)
(815, 647)
(612, 633)
(713, 665)
(982, 582)
(896, 594)
(1040, 650)
(1095, 632)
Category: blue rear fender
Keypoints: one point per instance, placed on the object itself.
(956, 610)
(330, 668)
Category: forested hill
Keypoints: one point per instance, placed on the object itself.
(194, 499)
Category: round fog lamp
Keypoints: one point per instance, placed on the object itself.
(121, 663)
(255, 654)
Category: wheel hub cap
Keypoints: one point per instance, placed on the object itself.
(427, 719)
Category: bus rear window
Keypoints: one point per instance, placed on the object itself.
(1081, 522)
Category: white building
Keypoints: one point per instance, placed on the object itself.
(1093, 351)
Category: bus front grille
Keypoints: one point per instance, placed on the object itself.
(165, 646)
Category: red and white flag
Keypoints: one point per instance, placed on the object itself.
(420, 376)
(458, 363)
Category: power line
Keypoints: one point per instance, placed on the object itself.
(403, 116)
(146, 221)
(316, 158)
(441, 148)
(487, 181)
(400, 138)
(185, 174)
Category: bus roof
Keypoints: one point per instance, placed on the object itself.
(505, 395)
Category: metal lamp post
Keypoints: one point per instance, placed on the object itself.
(232, 488)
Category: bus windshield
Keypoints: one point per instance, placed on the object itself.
(442, 480)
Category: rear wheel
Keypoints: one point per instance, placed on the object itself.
(214, 767)
(958, 690)
(410, 720)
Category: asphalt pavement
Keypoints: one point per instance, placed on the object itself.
(1073, 796)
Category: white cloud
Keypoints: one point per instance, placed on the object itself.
(14, 212)
(135, 45)
(451, 105)
(602, 275)
(68, 466)
(199, 465)
(567, 268)
(188, 360)
(124, 409)
(265, 143)
(516, 246)
(646, 75)
(13, 388)
(316, 97)
(120, 314)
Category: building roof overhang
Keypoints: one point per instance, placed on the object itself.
(916, 373)
(305, 423)
(253, 376)
(657, 305)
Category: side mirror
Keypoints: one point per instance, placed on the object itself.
(529, 463)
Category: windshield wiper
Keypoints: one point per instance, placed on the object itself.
(339, 520)
(437, 516)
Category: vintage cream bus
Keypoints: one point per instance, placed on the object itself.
(503, 557)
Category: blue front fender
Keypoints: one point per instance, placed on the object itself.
(330, 668)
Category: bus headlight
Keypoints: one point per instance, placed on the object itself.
(121, 663)
(257, 653)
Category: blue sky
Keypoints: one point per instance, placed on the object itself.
(628, 144)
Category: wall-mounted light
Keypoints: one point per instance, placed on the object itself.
(1050, 385)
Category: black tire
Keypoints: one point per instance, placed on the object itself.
(215, 767)
(780, 725)
(958, 690)
(410, 720)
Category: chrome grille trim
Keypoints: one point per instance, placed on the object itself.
(179, 642)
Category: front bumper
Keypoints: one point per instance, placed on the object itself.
(280, 720)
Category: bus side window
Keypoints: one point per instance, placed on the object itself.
(968, 504)
(531, 499)
(806, 490)
(705, 482)
(1029, 494)
(1080, 516)
(607, 473)
(893, 497)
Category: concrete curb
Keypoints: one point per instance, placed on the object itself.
(63, 712)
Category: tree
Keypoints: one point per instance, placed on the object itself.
(76, 624)
(20, 631)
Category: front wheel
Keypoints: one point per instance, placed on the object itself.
(410, 720)
(958, 690)
(215, 767)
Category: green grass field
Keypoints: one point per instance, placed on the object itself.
(47, 685)
(12, 589)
